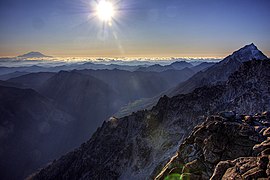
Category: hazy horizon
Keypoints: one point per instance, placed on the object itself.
(146, 57)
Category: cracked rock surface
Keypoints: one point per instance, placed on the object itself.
(219, 146)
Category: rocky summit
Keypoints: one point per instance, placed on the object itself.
(214, 144)
(138, 146)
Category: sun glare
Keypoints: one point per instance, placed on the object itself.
(105, 10)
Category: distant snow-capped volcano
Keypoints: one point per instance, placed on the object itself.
(33, 55)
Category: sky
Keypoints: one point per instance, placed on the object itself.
(154, 28)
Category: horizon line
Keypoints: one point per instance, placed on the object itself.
(115, 57)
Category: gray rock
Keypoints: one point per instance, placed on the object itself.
(228, 115)
(223, 140)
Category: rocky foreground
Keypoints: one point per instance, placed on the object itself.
(226, 146)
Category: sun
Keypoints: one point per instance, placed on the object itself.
(105, 10)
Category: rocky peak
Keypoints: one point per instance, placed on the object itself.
(246, 53)
(219, 72)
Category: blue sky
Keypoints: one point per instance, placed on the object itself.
(195, 28)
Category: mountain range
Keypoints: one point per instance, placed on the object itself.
(11, 72)
(217, 73)
(48, 111)
(178, 65)
(138, 146)
(93, 95)
(87, 96)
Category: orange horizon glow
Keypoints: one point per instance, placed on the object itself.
(128, 54)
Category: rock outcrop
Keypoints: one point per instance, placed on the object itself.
(255, 166)
(223, 137)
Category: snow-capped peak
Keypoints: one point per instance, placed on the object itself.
(33, 55)
(247, 53)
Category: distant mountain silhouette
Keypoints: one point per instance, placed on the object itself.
(5, 72)
(12, 75)
(181, 65)
(33, 55)
(155, 68)
(178, 65)
(203, 66)
(32, 80)
(25, 69)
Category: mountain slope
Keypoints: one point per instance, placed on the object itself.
(215, 74)
(93, 95)
(32, 80)
(88, 99)
(12, 75)
(11, 84)
(134, 147)
(132, 85)
(136, 85)
(203, 66)
(32, 132)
